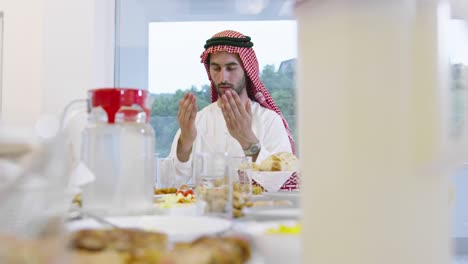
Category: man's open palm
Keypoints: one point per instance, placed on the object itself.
(186, 118)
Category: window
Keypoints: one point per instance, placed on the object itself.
(459, 59)
(159, 44)
(174, 66)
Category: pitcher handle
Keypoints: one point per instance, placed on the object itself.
(67, 108)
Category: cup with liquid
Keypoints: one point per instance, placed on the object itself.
(240, 171)
(213, 184)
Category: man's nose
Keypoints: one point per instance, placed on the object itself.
(224, 75)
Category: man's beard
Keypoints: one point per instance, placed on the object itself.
(239, 88)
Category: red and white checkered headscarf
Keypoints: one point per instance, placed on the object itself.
(255, 88)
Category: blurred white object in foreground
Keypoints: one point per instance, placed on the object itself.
(33, 182)
(375, 114)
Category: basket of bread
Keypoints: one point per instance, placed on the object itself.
(278, 172)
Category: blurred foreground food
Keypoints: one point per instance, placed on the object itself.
(138, 246)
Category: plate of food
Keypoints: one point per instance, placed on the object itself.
(274, 214)
(293, 196)
(124, 245)
(162, 191)
(182, 197)
(177, 228)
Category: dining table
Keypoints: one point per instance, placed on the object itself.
(270, 225)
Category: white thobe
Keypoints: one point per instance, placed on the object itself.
(213, 136)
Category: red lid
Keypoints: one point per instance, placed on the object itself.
(112, 99)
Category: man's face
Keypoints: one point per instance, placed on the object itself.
(227, 73)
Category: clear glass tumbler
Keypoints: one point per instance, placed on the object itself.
(240, 170)
(164, 173)
(213, 185)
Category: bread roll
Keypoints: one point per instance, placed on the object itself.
(282, 161)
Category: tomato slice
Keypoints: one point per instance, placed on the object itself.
(185, 193)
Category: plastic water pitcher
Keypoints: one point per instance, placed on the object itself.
(118, 146)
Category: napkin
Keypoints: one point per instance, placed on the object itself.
(272, 181)
(292, 183)
(80, 176)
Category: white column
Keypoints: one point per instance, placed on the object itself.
(374, 131)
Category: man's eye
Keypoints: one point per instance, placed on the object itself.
(215, 68)
(231, 68)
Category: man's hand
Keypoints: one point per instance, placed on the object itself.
(188, 132)
(238, 117)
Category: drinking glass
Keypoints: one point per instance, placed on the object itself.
(240, 171)
(213, 185)
(157, 171)
(164, 173)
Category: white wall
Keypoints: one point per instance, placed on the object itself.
(54, 50)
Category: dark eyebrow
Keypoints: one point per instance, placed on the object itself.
(227, 64)
(232, 64)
